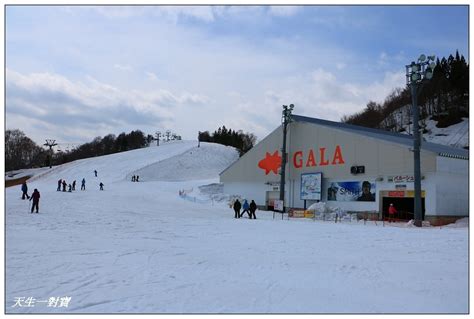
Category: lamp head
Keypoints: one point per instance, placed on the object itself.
(428, 73)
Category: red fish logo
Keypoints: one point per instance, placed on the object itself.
(271, 162)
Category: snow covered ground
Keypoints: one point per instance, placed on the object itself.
(141, 248)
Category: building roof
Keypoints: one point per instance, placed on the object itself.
(403, 139)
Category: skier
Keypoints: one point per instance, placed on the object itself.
(35, 197)
(136, 179)
(69, 188)
(83, 184)
(133, 178)
(237, 207)
(101, 186)
(95, 172)
(253, 208)
(24, 189)
(59, 185)
(64, 185)
(74, 185)
(245, 207)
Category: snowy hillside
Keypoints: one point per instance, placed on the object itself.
(142, 248)
(456, 135)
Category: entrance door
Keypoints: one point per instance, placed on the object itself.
(271, 196)
(404, 205)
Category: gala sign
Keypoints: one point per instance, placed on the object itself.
(310, 158)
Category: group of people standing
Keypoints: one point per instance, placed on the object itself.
(62, 184)
(247, 208)
(71, 187)
(135, 178)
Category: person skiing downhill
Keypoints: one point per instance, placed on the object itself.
(35, 197)
(24, 189)
(101, 186)
(95, 172)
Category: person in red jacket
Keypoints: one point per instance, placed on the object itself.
(36, 198)
(391, 212)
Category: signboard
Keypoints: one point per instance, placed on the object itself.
(401, 178)
(278, 205)
(396, 193)
(362, 191)
(310, 186)
(301, 214)
(412, 193)
(400, 193)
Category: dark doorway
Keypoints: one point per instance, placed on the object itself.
(405, 207)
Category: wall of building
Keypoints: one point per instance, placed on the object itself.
(452, 187)
(249, 191)
(380, 158)
(246, 168)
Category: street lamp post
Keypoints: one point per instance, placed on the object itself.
(416, 74)
(286, 119)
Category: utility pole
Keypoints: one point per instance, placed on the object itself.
(286, 119)
(416, 74)
(50, 143)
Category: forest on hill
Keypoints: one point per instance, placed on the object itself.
(444, 98)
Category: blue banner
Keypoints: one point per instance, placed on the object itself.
(362, 191)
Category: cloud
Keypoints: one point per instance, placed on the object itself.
(151, 76)
(169, 13)
(284, 11)
(93, 108)
(123, 67)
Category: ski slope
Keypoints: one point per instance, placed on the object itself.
(141, 248)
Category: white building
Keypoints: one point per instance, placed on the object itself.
(343, 157)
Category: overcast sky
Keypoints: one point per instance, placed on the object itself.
(75, 73)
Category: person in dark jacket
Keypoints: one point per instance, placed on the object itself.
(24, 189)
(83, 184)
(252, 208)
(35, 197)
(59, 185)
(95, 172)
(245, 209)
(64, 185)
(237, 207)
(101, 186)
(74, 185)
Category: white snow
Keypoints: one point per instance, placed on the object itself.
(456, 135)
(142, 248)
